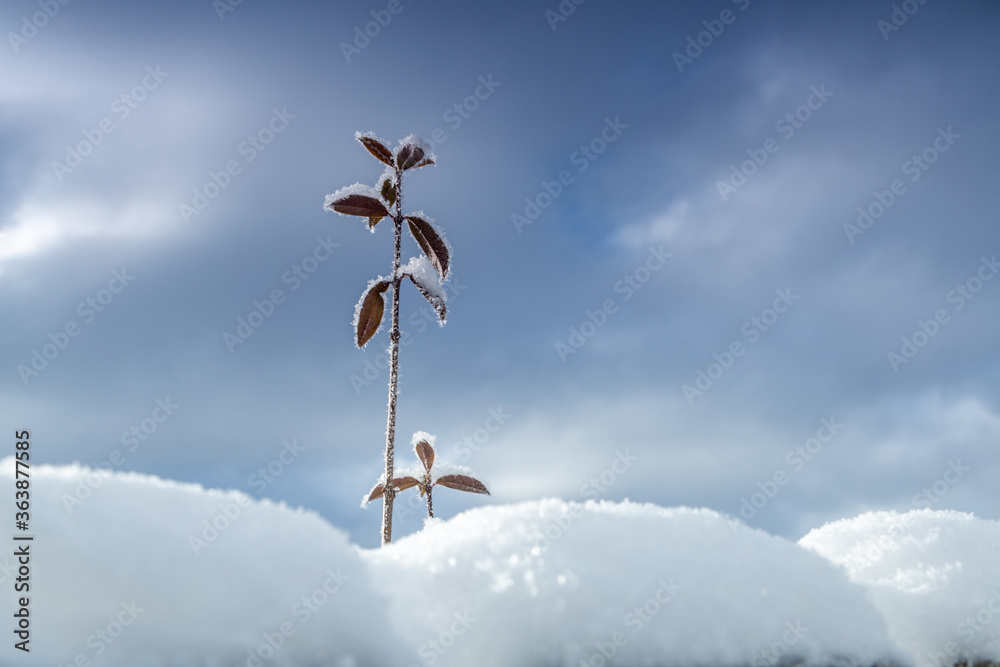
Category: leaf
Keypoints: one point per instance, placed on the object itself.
(376, 493)
(431, 243)
(366, 207)
(389, 191)
(423, 163)
(463, 483)
(409, 156)
(372, 221)
(377, 149)
(436, 301)
(426, 454)
(403, 483)
(370, 313)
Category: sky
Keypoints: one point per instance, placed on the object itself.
(736, 255)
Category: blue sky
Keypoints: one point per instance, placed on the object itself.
(641, 197)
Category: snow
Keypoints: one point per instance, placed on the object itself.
(441, 466)
(347, 191)
(550, 583)
(211, 577)
(414, 140)
(423, 435)
(934, 575)
(209, 574)
(371, 135)
(440, 232)
(425, 276)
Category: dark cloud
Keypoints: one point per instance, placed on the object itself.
(649, 184)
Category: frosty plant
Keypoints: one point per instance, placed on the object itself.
(423, 445)
(426, 272)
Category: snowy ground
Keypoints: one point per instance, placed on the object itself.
(142, 571)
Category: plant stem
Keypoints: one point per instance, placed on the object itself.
(430, 505)
(389, 494)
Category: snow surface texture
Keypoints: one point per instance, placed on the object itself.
(130, 570)
(425, 274)
(934, 575)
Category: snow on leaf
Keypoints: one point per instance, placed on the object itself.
(413, 152)
(375, 146)
(462, 483)
(409, 156)
(420, 271)
(423, 435)
(377, 491)
(425, 453)
(432, 242)
(360, 205)
(369, 311)
(358, 199)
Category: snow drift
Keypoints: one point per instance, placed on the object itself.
(934, 575)
(130, 570)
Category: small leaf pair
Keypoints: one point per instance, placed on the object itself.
(426, 482)
(408, 156)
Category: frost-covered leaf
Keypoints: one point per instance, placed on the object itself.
(358, 199)
(403, 483)
(372, 221)
(361, 205)
(425, 453)
(420, 271)
(409, 156)
(368, 313)
(377, 492)
(423, 163)
(375, 147)
(463, 483)
(388, 191)
(431, 242)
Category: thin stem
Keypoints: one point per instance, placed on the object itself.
(389, 494)
(430, 505)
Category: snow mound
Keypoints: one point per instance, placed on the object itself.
(556, 583)
(130, 570)
(935, 576)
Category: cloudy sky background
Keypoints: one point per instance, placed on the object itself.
(518, 292)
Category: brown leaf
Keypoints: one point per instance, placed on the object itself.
(426, 454)
(376, 493)
(373, 220)
(462, 483)
(423, 163)
(438, 304)
(370, 314)
(366, 207)
(403, 483)
(377, 149)
(409, 156)
(431, 243)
